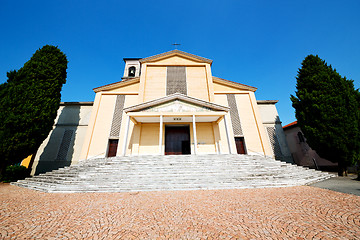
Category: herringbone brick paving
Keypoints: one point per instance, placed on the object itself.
(269, 213)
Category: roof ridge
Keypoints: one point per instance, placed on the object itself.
(174, 52)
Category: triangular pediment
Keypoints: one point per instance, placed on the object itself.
(175, 55)
(176, 103)
(176, 106)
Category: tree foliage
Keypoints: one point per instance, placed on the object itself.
(28, 104)
(327, 109)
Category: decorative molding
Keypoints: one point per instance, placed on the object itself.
(234, 115)
(65, 145)
(267, 101)
(233, 84)
(117, 117)
(175, 53)
(76, 103)
(176, 80)
(122, 83)
(274, 142)
(176, 96)
(177, 106)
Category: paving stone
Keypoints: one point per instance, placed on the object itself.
(300, 212)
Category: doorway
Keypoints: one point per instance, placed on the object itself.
(112, 147)
(177, 140)
(240, 145)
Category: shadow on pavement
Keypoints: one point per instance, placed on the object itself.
(347, 184)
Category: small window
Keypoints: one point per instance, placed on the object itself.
(301, 137)
(132, 71)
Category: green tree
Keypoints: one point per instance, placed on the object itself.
(28, 104)
(327, 109)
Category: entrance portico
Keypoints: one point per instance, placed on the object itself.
(200, 117)
(191, 119)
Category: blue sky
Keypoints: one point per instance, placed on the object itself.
(256, 42)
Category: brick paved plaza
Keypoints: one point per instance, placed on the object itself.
(271, 213)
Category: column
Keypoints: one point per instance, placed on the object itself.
(126, 135)
(194, 133)
(227, 134)
(160, 134)
(216, 133)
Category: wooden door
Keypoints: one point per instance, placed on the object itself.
(177, 140)
(113, 145)
(240, 145)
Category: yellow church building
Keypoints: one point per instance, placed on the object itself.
(165, 104)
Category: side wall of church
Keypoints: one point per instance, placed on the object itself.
(275, 132)
(63, 145)
(102, 122)
(254, 135)
(100, 131)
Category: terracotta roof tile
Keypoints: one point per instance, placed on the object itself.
(293, 124)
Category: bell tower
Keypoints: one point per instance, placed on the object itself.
(132, 68)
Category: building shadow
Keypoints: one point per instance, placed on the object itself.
(59, 149)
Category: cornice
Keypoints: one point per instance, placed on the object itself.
(176, 96)
(175, 53)
(233, 84)
(111, 86)
(267, 101)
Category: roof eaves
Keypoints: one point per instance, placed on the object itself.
(76, 103)
(290, 125)
(234, 83)
(115, 84)
(267, 101)
(125, 59)
(174, 52)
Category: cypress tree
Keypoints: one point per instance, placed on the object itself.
(29, 101)
(327, 109)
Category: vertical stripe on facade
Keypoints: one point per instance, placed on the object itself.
(65, 144)
(274, 142)
(176, 80)
(117, 117)
(234, 114)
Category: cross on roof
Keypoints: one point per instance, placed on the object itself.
(176, 44)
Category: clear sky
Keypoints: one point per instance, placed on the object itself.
(260, 43)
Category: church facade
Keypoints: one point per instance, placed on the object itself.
(165, 104)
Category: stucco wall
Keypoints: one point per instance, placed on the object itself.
(101, 129)
(205, 138)
(149, 139)
(59, 149)
(301, 152)
(271, 119)
(155, 84)
(223, 142)
(197, 82)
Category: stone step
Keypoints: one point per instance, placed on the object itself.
(187, 172)
(169, 173)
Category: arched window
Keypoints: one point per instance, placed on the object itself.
(132, 71)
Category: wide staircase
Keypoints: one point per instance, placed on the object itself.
(176, 172)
